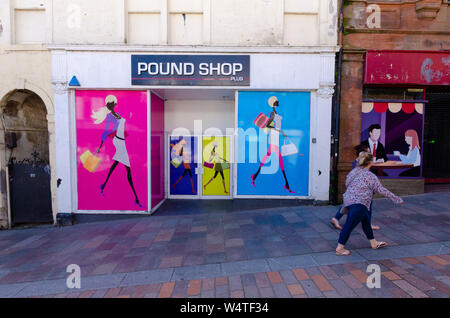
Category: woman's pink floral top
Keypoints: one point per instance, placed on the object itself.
(361, 185)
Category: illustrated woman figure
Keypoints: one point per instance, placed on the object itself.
(114, 124)
(274, 126)
(413, 156)
(218, 168)
(178, 150)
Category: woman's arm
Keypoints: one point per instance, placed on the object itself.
(271, 118)
(109, 120)
(411, 157)
(377, 187)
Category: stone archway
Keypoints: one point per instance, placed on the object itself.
(25, 158)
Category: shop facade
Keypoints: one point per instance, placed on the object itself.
(393, 87)
(134, 127)
(400, 86)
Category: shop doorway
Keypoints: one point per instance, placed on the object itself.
(200, 167)
(25, 127)
(436, 154)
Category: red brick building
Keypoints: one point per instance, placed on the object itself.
(394, 62)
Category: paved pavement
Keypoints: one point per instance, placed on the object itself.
(277, 252)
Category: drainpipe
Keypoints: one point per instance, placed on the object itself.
(336, 110)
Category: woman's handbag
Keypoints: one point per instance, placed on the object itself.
(90, 162)
(288, 149)
(176, 162)
(209, 165)
(261, 120)
(225, 164)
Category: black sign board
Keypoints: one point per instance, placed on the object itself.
(190, 70)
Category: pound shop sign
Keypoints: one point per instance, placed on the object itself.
(190, 70)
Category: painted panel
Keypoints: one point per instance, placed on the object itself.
(216, 164)
(111, 129)
(397, 130)
(157, 149)
(423, 68)
(183, 165)
(273, 160)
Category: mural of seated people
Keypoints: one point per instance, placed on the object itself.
(393, 132)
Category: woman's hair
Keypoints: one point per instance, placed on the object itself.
(359, 148)
(415, 138)
(100, 115)
(364, 159)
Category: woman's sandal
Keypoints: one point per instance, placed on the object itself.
(375, 227)
(343, 253)
(338, 226)
(380, 245)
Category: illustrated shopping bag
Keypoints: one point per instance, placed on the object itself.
(176, 162)
(261, 120)
(209, 165)
(90, 162)
(288, 149)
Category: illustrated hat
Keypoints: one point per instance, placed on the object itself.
(272, 101)
(110, 99)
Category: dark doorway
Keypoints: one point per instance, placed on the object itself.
(24, 122)
(436, 146)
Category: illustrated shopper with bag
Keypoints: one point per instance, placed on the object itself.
(273, 125)
(361, 185)
(115, 125)
(180, 156)
(220, 164)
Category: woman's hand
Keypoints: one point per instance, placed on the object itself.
(100, 147)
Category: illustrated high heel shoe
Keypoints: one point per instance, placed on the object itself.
(290, 191)
(138, 204)
(253, 180)
(101, 190)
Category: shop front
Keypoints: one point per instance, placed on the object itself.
(399, 117)
(137, 128)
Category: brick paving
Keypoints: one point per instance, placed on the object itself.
(280, 252)
(338, 282)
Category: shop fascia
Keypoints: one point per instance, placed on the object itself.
(187, 69)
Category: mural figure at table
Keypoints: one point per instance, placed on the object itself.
(413, 156)
(219, 165)
(179, 155)
(376, 147)
(273, 126)
(114, 124)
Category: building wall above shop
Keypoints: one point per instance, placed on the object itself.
(170, 22)
(396, 25)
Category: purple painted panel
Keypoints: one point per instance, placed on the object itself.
(157, 149)
(401, 130)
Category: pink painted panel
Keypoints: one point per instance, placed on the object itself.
(157, 149)
(407, 67)
(121, 135)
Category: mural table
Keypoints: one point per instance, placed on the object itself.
(390, 164)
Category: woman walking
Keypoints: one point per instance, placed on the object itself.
(274, 127)
(361, 185)
(118, 127)
(178, 150)
(339, 214)
(218, 168)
